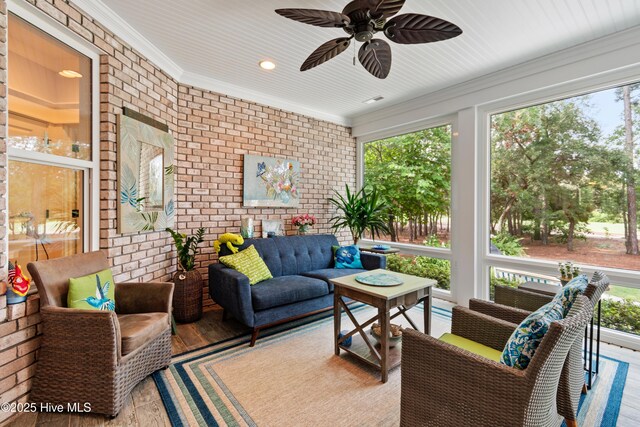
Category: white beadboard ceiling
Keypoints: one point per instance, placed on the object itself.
(217, 44)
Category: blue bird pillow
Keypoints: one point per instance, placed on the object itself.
(348, 257)
(92, 292)
(569, 292)
(524, 341)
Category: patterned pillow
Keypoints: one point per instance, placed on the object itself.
(569, 292)
(92, 292)
(348, 257)
(529, 334)
(249, 263)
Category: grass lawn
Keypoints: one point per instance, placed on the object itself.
(625, 293)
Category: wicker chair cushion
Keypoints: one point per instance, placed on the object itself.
(249, 263)
(138, 329)
(472, 346)
(348, 257)
(94, 291)
(526, 338)
(569, 292)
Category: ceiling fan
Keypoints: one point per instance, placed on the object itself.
(362, 19)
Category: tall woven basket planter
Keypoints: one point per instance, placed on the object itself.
(187, 296)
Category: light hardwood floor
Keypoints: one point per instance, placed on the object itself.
(144, 407)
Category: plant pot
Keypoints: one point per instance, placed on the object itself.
(187, 296)
(13, 298)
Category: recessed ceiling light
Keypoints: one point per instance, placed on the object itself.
(374, 99)
(70, 74)
(267, 65)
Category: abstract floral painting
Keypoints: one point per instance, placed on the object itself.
(271, 182)
(145, 176)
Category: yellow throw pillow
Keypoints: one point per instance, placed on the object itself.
(249, 263)
(92, 292)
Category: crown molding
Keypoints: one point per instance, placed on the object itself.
(596, 58)
(99, 11)
(208, 83)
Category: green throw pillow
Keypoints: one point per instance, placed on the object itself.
(249, 263)
(92, 292)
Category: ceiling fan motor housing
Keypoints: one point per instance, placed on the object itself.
(364, 32)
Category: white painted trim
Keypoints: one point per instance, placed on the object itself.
(91, 194)
(39, 19)
(623, 339)
(99, 11)
(228, 89)
(102, 13)
(595, 59)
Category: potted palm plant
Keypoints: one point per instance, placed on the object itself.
(187, 295)
(359, 212)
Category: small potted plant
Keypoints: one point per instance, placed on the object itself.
(187, 295)
(303, 222)
(567, 271)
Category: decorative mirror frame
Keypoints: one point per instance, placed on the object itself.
(133, 130)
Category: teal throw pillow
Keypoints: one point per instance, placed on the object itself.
(92, 292)
(569, 292)
(348, 257)
(525, 340)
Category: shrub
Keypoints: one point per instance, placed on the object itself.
(422, 266)
(508, 244)
(494, 281)
(621, 315)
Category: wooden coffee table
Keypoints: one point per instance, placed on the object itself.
(404, 296)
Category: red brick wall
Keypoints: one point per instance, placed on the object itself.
(212, 132)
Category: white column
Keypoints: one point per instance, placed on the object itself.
(465, 271)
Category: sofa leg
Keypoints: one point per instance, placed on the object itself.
(584, 389)
(571, 423)
(254, 336)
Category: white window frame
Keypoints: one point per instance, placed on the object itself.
(411, 248)
(91, 168)
(486, 260)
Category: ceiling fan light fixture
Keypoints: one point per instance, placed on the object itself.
(373, 100)
(267, 65)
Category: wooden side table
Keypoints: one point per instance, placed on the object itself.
(411, 292)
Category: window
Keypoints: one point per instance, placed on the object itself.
(564, 178)
(49, 144)
(412, 174)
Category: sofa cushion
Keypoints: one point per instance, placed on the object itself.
(327, 274)
(286, 290)
(570, 292)
(95, 291)
(526, 338)
(249, 263)
(348, 257)
(138, 329)
(290, 255)
(472, 346)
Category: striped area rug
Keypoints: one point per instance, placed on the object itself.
(292, 378)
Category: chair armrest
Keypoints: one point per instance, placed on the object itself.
(373, 261)
(499, 311)
(150, 297)
(232, 291)
(451, 386)
(481, 328)
(519, 298)
(93, 332)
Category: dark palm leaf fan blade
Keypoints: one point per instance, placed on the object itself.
(413, 28)
(319, 18)
(327, 51)
(387, 8)
(375, 57)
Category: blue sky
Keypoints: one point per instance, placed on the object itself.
(606, 110)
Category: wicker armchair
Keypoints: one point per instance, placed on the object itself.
(516, 304)
(97, 357)
(443, 385)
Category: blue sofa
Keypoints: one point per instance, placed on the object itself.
(301, 267)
